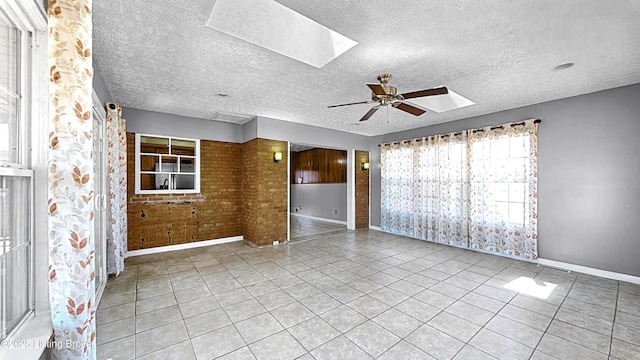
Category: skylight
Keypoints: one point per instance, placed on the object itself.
(442, 103)
(275, 27)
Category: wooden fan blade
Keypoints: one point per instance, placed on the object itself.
(430, 92)
(370, 113)
(354, 103)
(377, 89)
(410, 109)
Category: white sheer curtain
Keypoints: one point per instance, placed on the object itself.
(504, 189)
(440, 189)
(397, 188)
(476, 189)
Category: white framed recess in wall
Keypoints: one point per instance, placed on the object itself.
(167, 165)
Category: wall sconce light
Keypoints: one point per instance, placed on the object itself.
(365, 166)
(277, 156)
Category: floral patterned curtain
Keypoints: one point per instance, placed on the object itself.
(397, 188)
(440, 189)
(116, 189)
(504, 189)
(71, 238)
(476, 189)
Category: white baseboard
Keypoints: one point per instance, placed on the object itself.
(377, 228)
(191, 245)
(320, 219)
(590, 271)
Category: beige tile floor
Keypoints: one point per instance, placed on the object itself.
(360, 295)
(307, 229)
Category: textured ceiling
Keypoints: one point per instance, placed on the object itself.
(158, 55)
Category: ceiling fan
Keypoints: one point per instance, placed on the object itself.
(385, 95)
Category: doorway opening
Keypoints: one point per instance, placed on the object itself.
(318, 191)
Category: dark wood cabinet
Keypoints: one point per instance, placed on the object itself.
(316, 166)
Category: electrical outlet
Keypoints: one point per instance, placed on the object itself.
(335, 211)
(276, 242)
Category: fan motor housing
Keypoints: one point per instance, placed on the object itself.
(391, 92)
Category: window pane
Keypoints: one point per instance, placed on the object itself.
(185, 182)
(501, 212)
(9, 36)
(14, 211)
(8, 132)
(169, 164)
(16, 286)
(183, 147)
(149, 144)
(149, 162)
(477, 148)
(187, 165)
(15, 249)
(173, 156)
(498, 192)
(516, 213)
(147, 181)
(517, 193)
(9, 42)
(499, 148)
(517, 146)
(163, 182)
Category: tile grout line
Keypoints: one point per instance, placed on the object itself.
(483, 326)
(553, 318)
(615, 313)
(439, 312)
(182, 315)
(582, 327)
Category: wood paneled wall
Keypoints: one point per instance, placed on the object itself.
(317, 166)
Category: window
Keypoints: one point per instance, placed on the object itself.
(475, 189)
(167, 165)
(500, 167)
(16, 178)
(9, 89)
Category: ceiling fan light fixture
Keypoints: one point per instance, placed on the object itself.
(385, 95)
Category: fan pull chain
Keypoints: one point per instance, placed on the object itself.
(387, 115)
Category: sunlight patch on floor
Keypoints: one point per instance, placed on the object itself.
(529, 286)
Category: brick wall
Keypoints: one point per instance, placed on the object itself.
(159, 220)
(250, 190)
(362, 190)
(264, 192)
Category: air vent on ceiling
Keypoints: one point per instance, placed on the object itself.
(233, 118)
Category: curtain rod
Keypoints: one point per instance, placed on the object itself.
(536, 121)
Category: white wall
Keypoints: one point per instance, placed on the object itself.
(156, 123)
(320, 200)
(98, 85)
(250, 130)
